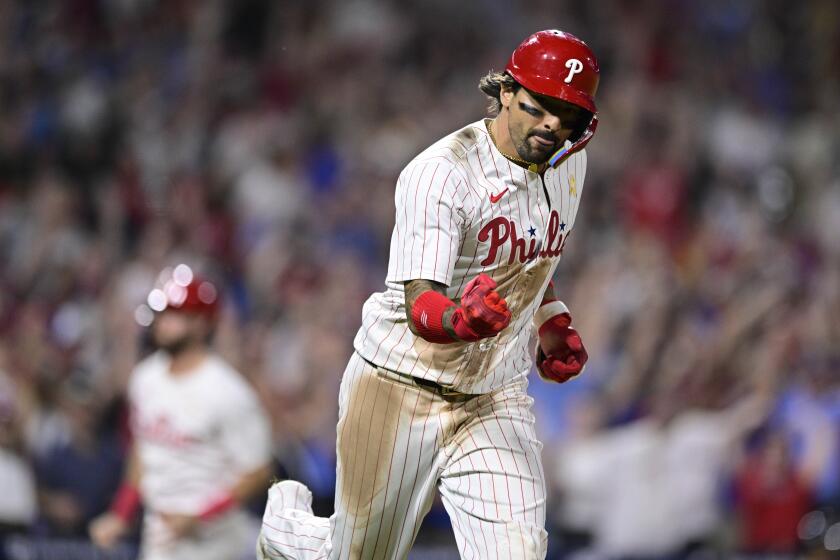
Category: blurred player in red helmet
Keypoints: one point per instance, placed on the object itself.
(434, 398)
(201, 441)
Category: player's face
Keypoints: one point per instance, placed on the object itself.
(539, 125)
(173, 331)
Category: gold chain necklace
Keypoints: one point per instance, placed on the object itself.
(530, 166)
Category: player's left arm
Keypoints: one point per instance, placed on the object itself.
(246, 437)
(549, 295)
(248, 486)
(560, 351)
(252, 483)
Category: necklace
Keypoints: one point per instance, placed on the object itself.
(530, 166)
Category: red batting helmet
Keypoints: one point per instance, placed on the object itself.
(180, 289)
(558, 64)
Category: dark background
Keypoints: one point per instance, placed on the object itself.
(260, 142)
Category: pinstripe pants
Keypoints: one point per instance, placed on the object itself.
(397, 444)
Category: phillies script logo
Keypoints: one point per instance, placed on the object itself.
(161, 430)
(502, 230)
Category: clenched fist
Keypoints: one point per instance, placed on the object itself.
(482, 313)
(560, 353)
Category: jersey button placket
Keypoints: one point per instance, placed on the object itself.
(486, 345)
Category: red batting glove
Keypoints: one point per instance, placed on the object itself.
(483, 313)
(560, 353)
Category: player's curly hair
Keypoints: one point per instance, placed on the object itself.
(492, 84)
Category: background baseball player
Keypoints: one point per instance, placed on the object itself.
(434, 398)
(201, 440)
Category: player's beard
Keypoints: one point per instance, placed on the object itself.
(526, 151)
(175, 346)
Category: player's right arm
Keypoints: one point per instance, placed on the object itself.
(481, 313)
(413, 290)
(433, 205)
(107, 529)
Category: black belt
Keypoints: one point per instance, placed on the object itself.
(446, 393)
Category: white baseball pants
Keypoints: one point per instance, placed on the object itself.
(398, 443)
(225, 538)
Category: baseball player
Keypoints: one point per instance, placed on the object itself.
(434, 397)
(202, 442)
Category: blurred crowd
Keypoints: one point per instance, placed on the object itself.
(260, 142)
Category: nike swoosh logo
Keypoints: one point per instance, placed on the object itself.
(494, 198)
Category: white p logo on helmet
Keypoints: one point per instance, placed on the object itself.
(575, 66)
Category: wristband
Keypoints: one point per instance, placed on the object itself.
(427, 316)
(223, 503)
(126, 502)
(548, 310)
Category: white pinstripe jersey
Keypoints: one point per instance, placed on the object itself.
(462, 208)
(195, 434)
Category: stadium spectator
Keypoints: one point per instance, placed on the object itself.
(772, 499)
(262, 140)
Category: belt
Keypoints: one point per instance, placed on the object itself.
(446, 393)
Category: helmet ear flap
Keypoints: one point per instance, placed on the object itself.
(577, 145)
(581, 128)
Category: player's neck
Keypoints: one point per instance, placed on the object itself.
(187, 360)
(499, 132)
